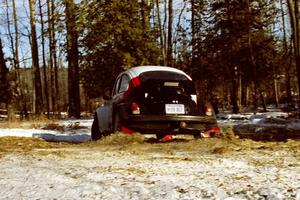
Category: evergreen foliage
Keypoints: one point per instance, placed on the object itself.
(238, 52)
(233, 44)
(113, 38)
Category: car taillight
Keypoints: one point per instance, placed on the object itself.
(208, 110)
(135, 109)
(134, 82)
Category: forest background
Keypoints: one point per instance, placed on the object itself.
(63, 55)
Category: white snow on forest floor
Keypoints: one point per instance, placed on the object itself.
(268, 119)
(79, 130)
(69, 131)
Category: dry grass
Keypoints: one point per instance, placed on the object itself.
(40, 123)
(25, 145)
(75, 126)
(27, 124)
(54, 126)
(122, 139)
(136, 144)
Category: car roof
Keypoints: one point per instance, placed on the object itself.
(136, 71)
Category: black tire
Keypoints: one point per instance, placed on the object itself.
(197, 136)
(96, 134)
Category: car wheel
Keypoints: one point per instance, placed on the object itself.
(117, 126)
(197, 136)
(96, 134)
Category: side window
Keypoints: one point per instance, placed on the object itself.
(116, 87)
(124, 83)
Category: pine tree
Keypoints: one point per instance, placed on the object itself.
(115, 40)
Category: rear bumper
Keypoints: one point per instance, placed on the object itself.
(169, 124)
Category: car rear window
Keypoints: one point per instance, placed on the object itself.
(167, 83)
(163, 75)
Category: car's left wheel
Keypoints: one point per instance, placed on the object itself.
(96, 134)
(197, 136)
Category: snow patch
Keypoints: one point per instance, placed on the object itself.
(69, 135)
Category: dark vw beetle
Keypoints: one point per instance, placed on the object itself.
(154, 100)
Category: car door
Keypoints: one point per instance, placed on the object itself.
(105, 112)
(118, 97)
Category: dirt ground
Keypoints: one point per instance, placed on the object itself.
(132, 167)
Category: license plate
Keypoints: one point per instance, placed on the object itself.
(175, 109)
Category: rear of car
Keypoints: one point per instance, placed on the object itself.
(164, 102)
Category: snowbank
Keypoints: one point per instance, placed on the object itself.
(69, 134)
(262, 126)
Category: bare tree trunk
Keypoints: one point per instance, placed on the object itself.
(53, 48)
(252, 61)
(234, 94)
(262, 100)
(177, 27)
(73, 68)
(232, 68)
(35, 61)
(240, 89)
(17, 60)
(295, 25)
(275, 87)
(170, 33)
(44, 59)
(287, 66)
(11, 39)
(247, 95)
(52, 74)
(165, 29)
(161, 34)
(9, 102)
